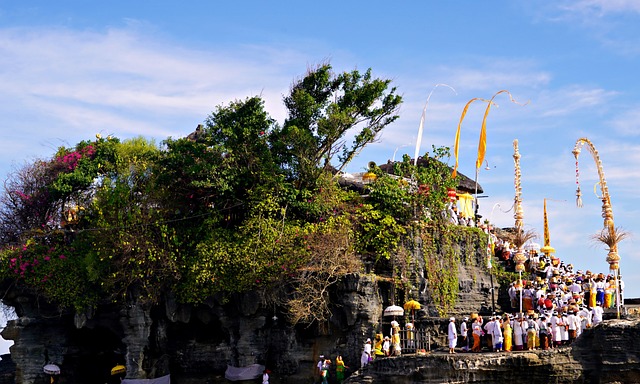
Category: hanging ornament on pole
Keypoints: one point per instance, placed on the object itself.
(610, 235)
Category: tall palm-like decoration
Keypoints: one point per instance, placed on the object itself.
(610, 235)
(520, 237)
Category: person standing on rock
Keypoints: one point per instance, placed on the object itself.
(513, 295)
(488, 330)
(452, 335)
(395, 339)
(463, 333)
(497, 335)
(518, 333)
(477, 334)
(340, 368)
(411, 337)
(596, 314)
(325, 371)
(573, 323)
(585, 318)
(366, 354)
(507, 334)
(319, 368)
(532, 334)
(558, 325)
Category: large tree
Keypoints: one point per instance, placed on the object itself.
(324, 110)
(244, 203)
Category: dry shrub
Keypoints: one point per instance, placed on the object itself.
(307, 299)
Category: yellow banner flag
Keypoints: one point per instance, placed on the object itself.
(456, 144)
(482, 144)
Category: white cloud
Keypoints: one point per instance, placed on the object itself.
(118, 69)
(614, 24)
(494, 73)
(570, 99)
(627, 123)
(600, 7)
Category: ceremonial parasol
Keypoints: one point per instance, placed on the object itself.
(393, 310)
(51, 369)
(412, 305)
(532, 247)
(118, 369)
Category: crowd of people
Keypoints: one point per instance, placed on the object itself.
(549, 309)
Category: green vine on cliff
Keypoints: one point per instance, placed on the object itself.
(443, 256)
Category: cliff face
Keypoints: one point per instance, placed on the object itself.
(608, 353)
(196, 343)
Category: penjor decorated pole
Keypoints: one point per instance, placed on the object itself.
(612, 235)
(519, 257)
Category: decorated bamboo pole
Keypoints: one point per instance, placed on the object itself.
(519, 257)
(607, 212)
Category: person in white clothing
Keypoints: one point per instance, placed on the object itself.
(366, 354)
(596, 314)
(518, 333)
(497, 335)
(585, 318)
(464, 329)
(573, 323)
(488, 330)
(452, 335)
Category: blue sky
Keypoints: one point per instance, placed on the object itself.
(71, 69)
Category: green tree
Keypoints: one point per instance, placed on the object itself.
(323, 108)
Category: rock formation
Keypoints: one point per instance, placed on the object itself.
(606, 354)
(196, 343)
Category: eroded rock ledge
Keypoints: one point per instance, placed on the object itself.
(606, 354)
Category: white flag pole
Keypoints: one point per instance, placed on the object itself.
(421, 128)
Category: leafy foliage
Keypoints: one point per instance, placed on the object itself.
(243, 204)
(323, 108)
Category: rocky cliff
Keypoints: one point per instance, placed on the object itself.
(196, 343)
(606, 354)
